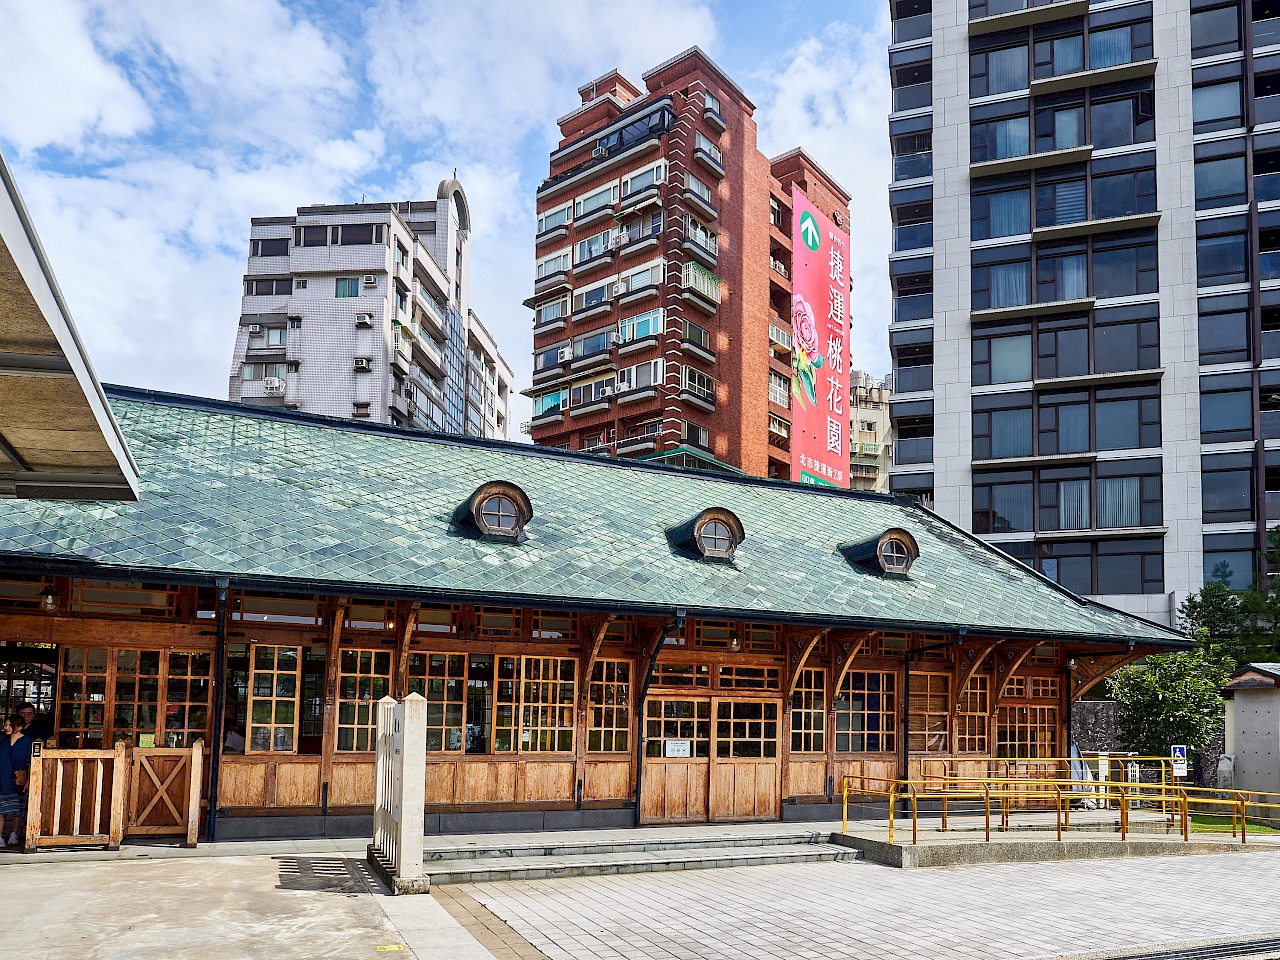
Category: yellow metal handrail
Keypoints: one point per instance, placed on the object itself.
(1174, 800)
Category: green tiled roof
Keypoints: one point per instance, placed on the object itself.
(333, 505)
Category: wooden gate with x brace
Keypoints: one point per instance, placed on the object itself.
(164, 791)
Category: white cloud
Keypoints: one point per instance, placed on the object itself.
(831, 95)
(485, 75)
(55, 85)
(250, 68)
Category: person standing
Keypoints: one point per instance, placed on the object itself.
(38, 726)
(15, 764)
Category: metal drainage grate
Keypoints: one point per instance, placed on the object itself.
(1239, 948)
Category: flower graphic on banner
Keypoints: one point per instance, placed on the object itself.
(805, 358)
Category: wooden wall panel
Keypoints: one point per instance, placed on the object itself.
(744, 790)
(489, 781)
(806, 778)
(352, 784)
(298, 784)
(675, 791)
(242, 783)
(607, 780)
(442, 781)
(547, 780)
(877, 774)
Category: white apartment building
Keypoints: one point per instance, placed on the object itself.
(363, 310)
(1086, 327)
(870, 432)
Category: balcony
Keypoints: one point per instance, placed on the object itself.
(433, 356)
(714, 163)
(913, 166)
(1266, 33)
(913, 450)
(913, 28)
(701, 204)
(779, 268)
(697, 341)
(1266, 186)
(706, 252)
(1010, 14)
(698, 388)
(650, 196)
(780, 338)
(916, 306)
(913, 379)
(914, 96)
(701, 286)
(913, 236)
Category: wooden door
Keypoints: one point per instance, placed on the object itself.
(677, 757)
(746, 760)
(165, 790)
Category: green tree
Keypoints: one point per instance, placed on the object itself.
(1170, 698)
(1219, 620)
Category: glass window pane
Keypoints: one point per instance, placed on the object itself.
(1010, 359)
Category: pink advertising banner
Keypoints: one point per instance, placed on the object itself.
(819, 347)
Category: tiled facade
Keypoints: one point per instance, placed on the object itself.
(870, 432)
(363, 310)
(1084, 358)
(662, 288)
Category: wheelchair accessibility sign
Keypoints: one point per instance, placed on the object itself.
(1178, 754)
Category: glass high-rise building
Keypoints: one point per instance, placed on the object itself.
(1086, 323)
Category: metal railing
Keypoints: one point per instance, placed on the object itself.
(1177, 802)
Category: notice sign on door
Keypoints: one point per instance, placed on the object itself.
(677, 748)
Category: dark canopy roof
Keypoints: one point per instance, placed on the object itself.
(301, 502)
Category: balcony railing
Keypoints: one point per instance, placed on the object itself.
(700, 280)
(911, 379)
(1270, 421)
(916, 306)
(1266, 186)
(1269, 265)
(698, 383)
(1266, 32)
(913, 166)
(913, 236)
(914, 450)
(779, 336)
(912, 28)
(913, 96)
(779, 268)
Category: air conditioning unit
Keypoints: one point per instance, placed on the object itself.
(274, 386)
(564, 354)
(619, 240)
(370, 280)
(599, 152)
(255, 329)
(364, 320)
(606, 390)
(615, 338)
(363, 365)
(619, 288)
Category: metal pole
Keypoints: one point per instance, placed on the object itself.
(219, 704)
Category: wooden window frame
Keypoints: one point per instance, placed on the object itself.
(922, 723)
(367, 692)
(1016, 725)
(973, 716)
(732, 730)
(439, 699)
(546, 721)
(659, 727)
(609, 706)
(273, 698)
(808, 712)
(887, 714)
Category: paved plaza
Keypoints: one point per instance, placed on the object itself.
(321, 905)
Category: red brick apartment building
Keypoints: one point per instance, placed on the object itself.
(662, 297)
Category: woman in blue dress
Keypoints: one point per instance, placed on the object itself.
(15, 762)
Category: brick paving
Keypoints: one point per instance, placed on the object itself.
(825, 911)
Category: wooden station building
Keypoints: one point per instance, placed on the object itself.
(583, 628)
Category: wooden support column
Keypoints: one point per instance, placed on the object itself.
(1089, 670)
(330, 738)
(842, 647)
(591, 631)
(409, 624)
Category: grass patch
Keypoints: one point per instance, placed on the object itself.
(1213, 823)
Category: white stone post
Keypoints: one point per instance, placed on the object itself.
(399, 794)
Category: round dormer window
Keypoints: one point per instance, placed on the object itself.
(498, 514)
(715, 539)
(896, 551)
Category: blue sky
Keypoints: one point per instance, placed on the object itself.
(146, 133)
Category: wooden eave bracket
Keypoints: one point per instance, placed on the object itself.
(845, 645)
(1089, 670)
(402, 654)
(593, 627)
(799, 644)
(1009, 656)
(969, 660)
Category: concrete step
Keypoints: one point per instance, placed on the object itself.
(492, 869)
(438, 849)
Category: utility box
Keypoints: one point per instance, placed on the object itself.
(1253, 726)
